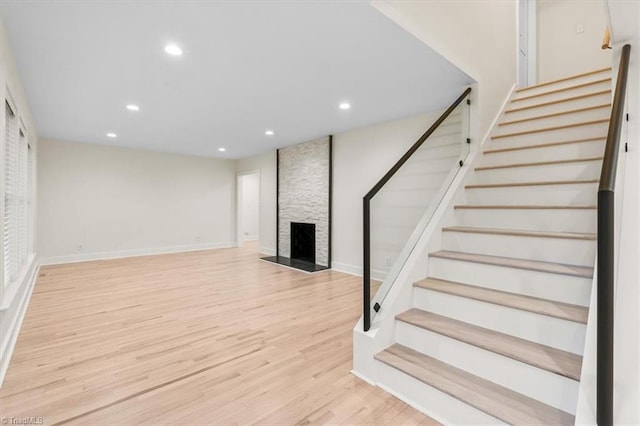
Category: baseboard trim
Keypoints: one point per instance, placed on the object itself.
(248, 238)
(7, 346)
(346, 268)
(119, 254)
(357, 270)
(268, 251)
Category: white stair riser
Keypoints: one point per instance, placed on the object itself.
(549, 331)
(557, 287)
(548, 97)
(570, 194)
(560, 250)
(513, 113)
(558, 120)
(549, 172)
(429, 400)
(563, 84)
(547, 387)
(586, 131)
(557, 220)
(550, 153)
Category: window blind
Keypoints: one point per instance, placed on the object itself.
(15, 221)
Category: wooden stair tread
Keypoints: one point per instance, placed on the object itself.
(521, 233)
(498, 401)
(544, 145)
(563, 89)
(550, 129)
(509, 262)
(545, 357)
(560, 80)
(550, 182)
(559, 101)
(538, 163)
(536, 305)
(523, 207)
(555, 114)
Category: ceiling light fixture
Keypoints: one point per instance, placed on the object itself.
(345, 105)
(112, 135)
(221, 149)
(173, 49)
(269, 133)
(132, 107)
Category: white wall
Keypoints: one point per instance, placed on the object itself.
(360, 159)
(266, 165)
(251, 207)
(479, 37)
(562, 51)
(97, 201)
(14, 298)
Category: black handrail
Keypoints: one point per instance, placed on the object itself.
(366, 208)
(606, 202)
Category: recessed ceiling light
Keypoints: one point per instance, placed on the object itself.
(132, 107)
(221, 149)
(269, 133)
(112, 135)
(345, 105)
(173, 49)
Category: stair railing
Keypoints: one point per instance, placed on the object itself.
(368, 313)
(605, 264)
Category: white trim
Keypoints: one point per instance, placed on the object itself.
(239, 228)
(118, 254)
(376, 274)
(269, 251)
(13, 289)
(8, 343)
(346, 268)
(247, 238)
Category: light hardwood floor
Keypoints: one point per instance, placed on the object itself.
(208, 337)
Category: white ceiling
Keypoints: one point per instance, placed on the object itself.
(247, 67)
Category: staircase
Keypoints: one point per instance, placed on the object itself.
(496, 331)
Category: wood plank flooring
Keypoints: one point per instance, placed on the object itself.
(208, 337)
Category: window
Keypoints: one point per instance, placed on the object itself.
(16, 228)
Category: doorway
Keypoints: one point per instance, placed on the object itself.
(248, 207)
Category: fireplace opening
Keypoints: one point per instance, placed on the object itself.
(303, 241)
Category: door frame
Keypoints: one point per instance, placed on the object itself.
(239, 228)
(527, 11)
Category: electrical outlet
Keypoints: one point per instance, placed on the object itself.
(79, 247)
(198, 239)
(388, 261)
(579, 29)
